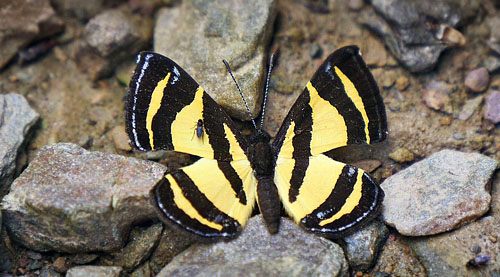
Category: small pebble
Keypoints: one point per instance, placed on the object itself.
(492, 63)
(493, 239)
(477, 80)
(355, 4)
(436, 97)
(388, 269)
(60, 265)
(120, 138)
(446, 121)
(492, 111)
(401, 155)
(452, 36)
(476, 249)
(315, 51)
(402, 83)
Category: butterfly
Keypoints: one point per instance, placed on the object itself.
(215, 196)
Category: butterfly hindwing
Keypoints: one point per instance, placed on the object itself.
(165, 106)
(326, 196)
(341, 105)
(209, 198)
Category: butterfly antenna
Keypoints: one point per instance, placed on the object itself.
(241, 93)
(268, 77)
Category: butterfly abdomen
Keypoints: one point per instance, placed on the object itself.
(269, 203)
(263, 163)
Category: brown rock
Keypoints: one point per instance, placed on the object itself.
(23, 21)
(477, 80)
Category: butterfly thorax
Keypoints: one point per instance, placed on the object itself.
(262, 158)
(261, 155)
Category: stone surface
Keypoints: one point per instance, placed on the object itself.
(23, 21)
(439, 193)
(363, 246)
(477, 80)
(418, 31)
(73, 200)
(16, 120)
(492, 109)
(198, 35)
(290, 252)
(398, 259)
(96, 271)
(447, 254)
(139, 247)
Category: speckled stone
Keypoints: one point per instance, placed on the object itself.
(290, 252)
(16, 120)
(438, 194)
(447, 254)
(73, 200)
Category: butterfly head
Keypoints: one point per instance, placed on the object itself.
(261, 136)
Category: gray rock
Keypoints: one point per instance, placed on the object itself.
(73, 200)
(492, 111)
(470, 107)
(398, 259)
(290, 252)
(439, 193)
(16, 120)
(24, 21)
(363, 246)
(95, 271)
(447, 254)
(415, 30)
(199, 34)
(140, 246)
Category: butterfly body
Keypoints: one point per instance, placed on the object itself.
(215, 196)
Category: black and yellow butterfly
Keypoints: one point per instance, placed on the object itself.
(215, 196)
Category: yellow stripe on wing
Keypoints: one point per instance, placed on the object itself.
(353, 93)
(154, 106)
(183, 203)
(351, 202)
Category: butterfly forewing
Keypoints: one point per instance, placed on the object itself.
(341, 105)
(164, 107)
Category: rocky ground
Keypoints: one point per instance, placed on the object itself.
(75, 195)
